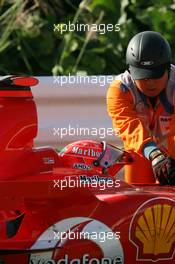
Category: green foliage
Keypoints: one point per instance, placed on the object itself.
(30, 45)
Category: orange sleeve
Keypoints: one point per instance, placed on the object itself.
(129, 126)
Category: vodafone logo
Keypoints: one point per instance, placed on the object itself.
(110, 248)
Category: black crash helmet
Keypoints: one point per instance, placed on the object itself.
(148, 55)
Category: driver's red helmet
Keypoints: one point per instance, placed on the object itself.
(81, 154)
(88, 155)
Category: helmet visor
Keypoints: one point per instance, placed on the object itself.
(110, 155)
(147, 73)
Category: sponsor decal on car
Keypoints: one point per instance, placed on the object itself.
(152, 230)
(48, 160)
(85, 259)
(86, 152)
(81, 166)
(50, 249)
(93, 178)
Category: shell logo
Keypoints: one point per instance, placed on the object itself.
(152, 230)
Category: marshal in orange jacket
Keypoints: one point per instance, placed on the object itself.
(141, 126)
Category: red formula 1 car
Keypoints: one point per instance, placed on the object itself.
(69, 207)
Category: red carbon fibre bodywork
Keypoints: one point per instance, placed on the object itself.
(41, 200)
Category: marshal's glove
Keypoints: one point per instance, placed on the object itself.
(163, 167)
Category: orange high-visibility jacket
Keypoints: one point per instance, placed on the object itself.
(142, 127)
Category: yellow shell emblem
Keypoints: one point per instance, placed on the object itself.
(152, 229)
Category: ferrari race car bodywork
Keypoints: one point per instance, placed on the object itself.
(55, 210)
